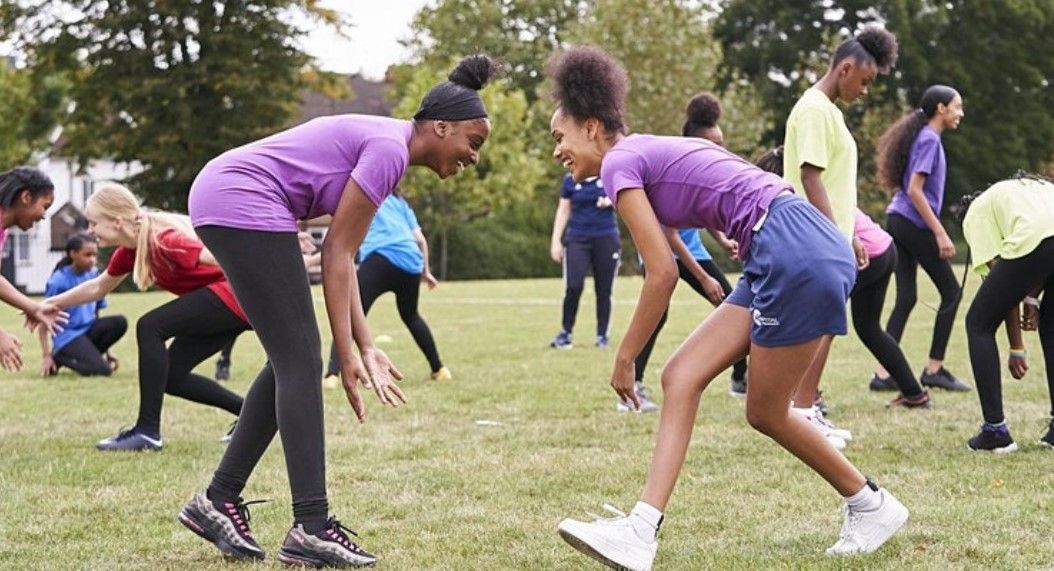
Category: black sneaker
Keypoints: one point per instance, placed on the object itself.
(917, 401)
(226, 526)
(130, 440)
(223, 370)
(993, 439)
(943, 379)
(738, 387)
(1047, 441)
(878, 384)
(330, 547)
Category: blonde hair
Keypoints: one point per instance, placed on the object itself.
(118, 203)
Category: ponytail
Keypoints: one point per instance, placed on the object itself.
(74, 244)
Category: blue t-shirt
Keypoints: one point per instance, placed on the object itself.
(81, 316)
(926, 157)
(587, 221)
(690, 237)
(391, 235)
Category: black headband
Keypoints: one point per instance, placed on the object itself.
(449, 101)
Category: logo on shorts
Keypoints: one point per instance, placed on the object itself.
(762, 321)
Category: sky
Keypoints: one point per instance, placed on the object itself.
(373, 45)
(377, 27)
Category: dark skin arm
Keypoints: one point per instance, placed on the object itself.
(816, 193)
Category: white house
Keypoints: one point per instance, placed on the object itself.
(29, 257)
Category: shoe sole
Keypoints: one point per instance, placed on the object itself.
(962, 389)
(191, 523)
(1012, 447)
(586, 549)
(562, 347)
(297, 560)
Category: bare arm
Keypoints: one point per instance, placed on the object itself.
(659, 282)
(344, 306)
(563, 214)
(815, 191)
(91, 290)
(685, 256)
(730, 246)
(426, 273)
(918, 200)
(11, 296)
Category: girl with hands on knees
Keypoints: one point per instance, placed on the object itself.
(1009, 228)
(26, 193)
(245, 205)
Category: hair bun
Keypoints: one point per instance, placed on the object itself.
(881, 45)
(474, 71)
(704, 110)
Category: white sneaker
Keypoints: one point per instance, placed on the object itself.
(864, 532)
(817, 419)
(644, 396)
(612, 541)
(836, 442)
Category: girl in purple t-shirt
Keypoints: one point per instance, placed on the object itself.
(911, 162)
(798, 270)
(245, 205)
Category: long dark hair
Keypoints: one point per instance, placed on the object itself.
(24, 178)
(74, 244)
(895, 144)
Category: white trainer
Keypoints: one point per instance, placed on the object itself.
(612, 541)
(817, 419)
(864, 532)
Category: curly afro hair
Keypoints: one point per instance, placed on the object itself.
(474, 71)
(589, 82)
(873, 44)
(703, 112)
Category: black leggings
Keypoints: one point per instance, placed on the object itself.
(869, 294)
(376, 276)
(199, 324)
(917, 246)
(602, 254)
(1008, 283)
(85, 354)
(739, 369)
(267, 273)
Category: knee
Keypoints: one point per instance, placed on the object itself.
(148, 326)
(101, 369)
(764, 419)
(679, 382)
(978, 324)
(574, 290)
(120, 324)
(906, 299)
(950, 296)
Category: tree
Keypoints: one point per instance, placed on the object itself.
(169, 84)
(508, 170)
(999, 55)
(29, 109)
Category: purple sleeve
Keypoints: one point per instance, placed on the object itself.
(621, 170)
(924, 155)
(381, 165)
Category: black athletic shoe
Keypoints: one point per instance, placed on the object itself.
(993, 439)
(917, 401)
(943, 379)
(223, 370)
(330, 547)
(1047, 440)
(226, 527)
(738, 387)
(878, 384)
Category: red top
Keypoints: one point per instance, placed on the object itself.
(174, 264)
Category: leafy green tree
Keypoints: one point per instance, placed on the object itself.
(999, 55)
(508, 170)
(169, 84)
(29, 109)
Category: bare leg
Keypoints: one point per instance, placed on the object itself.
(810, 383)
(772, 370)
(690, 369)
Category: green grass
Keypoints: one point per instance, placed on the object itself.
(428, 488)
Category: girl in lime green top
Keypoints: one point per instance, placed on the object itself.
(1010, 230)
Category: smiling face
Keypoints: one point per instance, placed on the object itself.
(578, 145)
(952, 113)
(84, 259)
(109, 231)
(459, 146)
(27, 210)
(854, 78)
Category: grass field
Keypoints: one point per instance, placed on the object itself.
(428, 487)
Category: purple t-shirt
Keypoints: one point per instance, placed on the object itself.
(300, 173)
(926, 157)
(693, 183)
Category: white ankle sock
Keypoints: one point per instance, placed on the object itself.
(866, 500)
(805, 411)
(646, 521)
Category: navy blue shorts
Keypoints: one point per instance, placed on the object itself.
(798, 276)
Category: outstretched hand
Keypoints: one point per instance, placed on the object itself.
(50, 317)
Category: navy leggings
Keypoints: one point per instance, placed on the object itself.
(601, 253)
(1007, 284)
